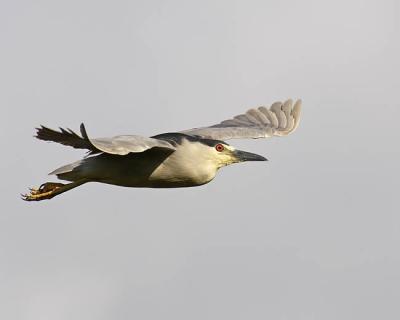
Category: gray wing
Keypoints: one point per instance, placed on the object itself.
(120, 145)
(125, 144)
(279, 119)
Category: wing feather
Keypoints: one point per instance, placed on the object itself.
(124, 144)
(280, 119)
(120, 145)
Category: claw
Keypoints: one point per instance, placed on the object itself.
(34, 190)
(46, 191)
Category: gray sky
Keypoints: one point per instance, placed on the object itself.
(312, 234)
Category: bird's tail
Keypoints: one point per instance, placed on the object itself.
(67, 169)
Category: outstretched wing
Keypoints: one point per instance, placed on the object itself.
(121, 145)
(279, 120)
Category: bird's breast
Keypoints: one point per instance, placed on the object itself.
(186, 171)
(172, 175)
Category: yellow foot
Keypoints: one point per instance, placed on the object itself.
(46, 191)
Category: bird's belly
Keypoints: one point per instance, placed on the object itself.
(139, 181)
(141, 172)
(179, 176)
(135, 177)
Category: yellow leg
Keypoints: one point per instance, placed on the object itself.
(49, 190)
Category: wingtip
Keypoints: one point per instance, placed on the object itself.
(39, 131)
(83, 131)
(41, 127)
(297, 108)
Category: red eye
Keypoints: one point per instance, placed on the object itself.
(219, 147)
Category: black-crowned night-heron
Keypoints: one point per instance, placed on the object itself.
(169, 160)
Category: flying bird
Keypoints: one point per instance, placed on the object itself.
(169, 160)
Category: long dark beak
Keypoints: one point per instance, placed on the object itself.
(248, 156)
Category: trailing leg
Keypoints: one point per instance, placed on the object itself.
(49, 190)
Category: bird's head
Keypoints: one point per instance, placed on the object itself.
(196, 160)
(223, 154)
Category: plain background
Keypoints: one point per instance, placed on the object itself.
(312, 234)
